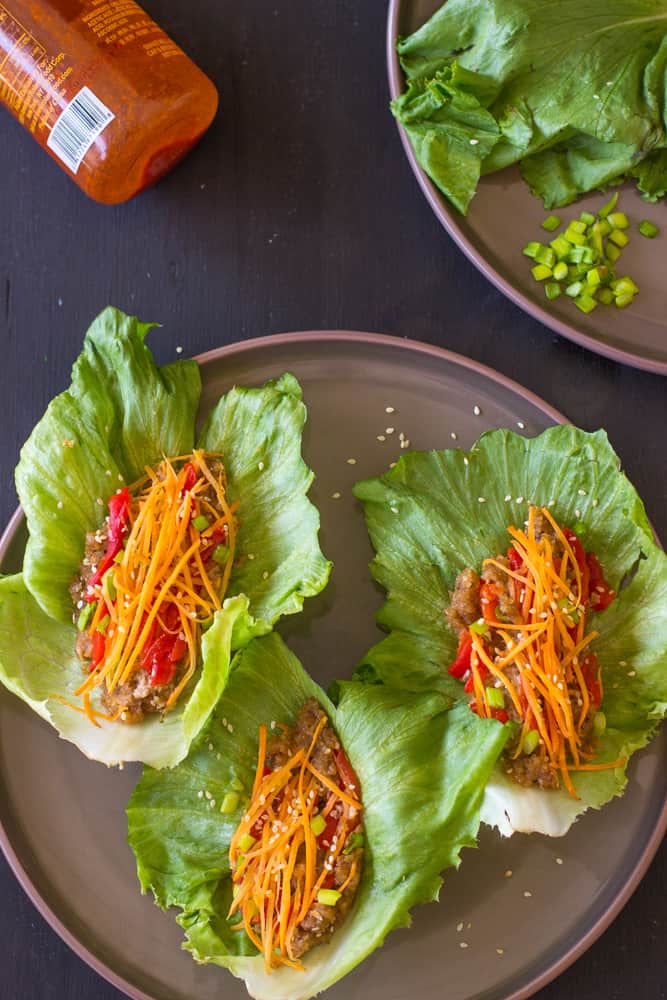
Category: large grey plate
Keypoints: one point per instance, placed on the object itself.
(504, 216)
(62, 821)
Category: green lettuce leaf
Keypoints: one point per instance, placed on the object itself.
(121, 413)
(437, 512)
(573, 90)
(422, 770)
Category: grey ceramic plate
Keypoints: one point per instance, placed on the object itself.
(504, 216)
(62, 821)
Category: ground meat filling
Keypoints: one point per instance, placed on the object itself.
(139, 695)
(338, 857)
(482, 604)
(321, 921)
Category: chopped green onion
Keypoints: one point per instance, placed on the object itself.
(586, 303)
(530, 741)
(599, 723)
(587, 218)
(236, 784)
(552, 290)
(606, 296)
(230, 802)
(103, 624)
(328, 897)
(220, 554)
(480, 627)
(560, 271)
(545, 255)
(623, 285)
(618, 237)
(111, 586)
(551, 223)
(612, 253)
(201, 523)
(86, 615)
(577, 227)
(356, 840)
(318, 824)
(618, 220)
(246, 842)
(574, 289)
(648, 230)
(574, 236)
(541, 271)
(495, 697)
(531, 249)
(621, 301)
(561, 246)
(609, 207)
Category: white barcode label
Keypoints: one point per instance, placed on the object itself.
(77, 128)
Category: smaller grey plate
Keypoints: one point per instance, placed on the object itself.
(62, 818)
(504, 216)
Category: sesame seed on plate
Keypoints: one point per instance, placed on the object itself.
(476, 410)
(389, 409)
(508, 873)
(559, 861)
(459, 927)
(500, 951)
(179, 350)
(381, 437)
(389, 430)
(351, 461)
(335, 496)
(520, 424)
(527, 894)
(454, 436)
(463, 944)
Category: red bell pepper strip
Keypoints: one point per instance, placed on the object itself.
(190, 477)
(483, 672)
(119, 509)
(99, 649)
(346, 771)
(591, 671)
(601, 593)
(461, 664)
(161, 657)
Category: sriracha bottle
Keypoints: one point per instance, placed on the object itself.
(103, 90)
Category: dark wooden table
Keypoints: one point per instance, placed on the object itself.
(298, 211)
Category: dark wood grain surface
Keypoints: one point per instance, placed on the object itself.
(297, 211)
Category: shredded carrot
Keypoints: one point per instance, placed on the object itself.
(274, 850)
(165, 568)
(538, 665)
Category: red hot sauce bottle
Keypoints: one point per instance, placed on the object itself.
(103, 90)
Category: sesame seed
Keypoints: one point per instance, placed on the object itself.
(224, 722)
(120, 478)
(273, 724)
(260, 466)
(351, 461)
(500, 951)
(481, 499)
(520, 424)
(100, 501)
(596, 502)
(335, 496)
(476, 410)
(622, 663)
(632, 673)
(230, 728)
(405, 443)
(559, 861)
(212, 803)
(208, 794)
(465, 461)
(508, 873)
(459, 927)
(463, 944)
(210, 746)
(582, 493)
(265, 575)
(381, 437)
(577, 514)
(392, 464)
(60, 503)
(389, 430)
(519, 500)
(108, 472)
(474, 142)
(454, 436)
(200, 795)
(527, 894)
(508, 498)
(389, 409)
(251, 556)
(394, 510)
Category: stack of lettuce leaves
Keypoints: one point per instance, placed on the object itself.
(422, 768)
(436, 513)
(573, 90)
(121, 413)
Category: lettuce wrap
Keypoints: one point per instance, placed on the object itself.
(120, 414)
(422, 770)
(436, 513)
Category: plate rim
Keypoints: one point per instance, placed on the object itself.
(308, 337)
(448, 220)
